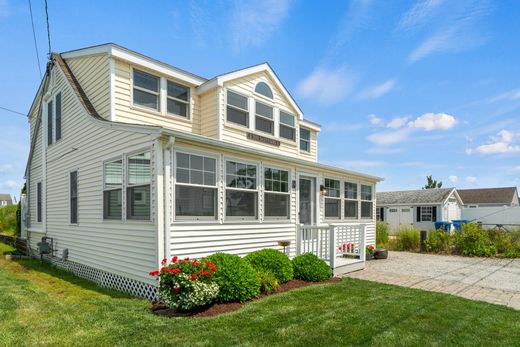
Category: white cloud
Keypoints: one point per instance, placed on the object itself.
(397, 122)
(471, 179)
(441, 41)
(510, 95)
(504, 142)
(254, 22)
(453, 179)
(419, 13)
(375, 120)
(384, 150)
(431, 121)
(9, 184)
(377, 91)
(390, 137)
(6, 168)
(328, 86)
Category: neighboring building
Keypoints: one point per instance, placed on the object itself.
(5, 199)
(419, 208)
(133, 160)
(489, 197)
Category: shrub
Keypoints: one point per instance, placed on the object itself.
(236, 278)
(502, 240)
(309, 267)
(186, 284)
(270, 260)
(8, 219)
(438, 241)
(407, 239)
(473, 241)
(268, 282)
(381, 234)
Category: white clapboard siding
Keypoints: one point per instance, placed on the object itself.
(125, 248)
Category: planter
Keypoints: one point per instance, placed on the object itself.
(369, 256)
(381, 253)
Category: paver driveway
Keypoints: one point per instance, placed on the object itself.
(488, 279)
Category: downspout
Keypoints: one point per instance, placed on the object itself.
(168, 169)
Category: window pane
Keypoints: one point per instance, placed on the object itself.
(350, 190)
(195, 201)
(112, 204)
(138, 202)
(263, 89)
(177, 107)
(58, 116)
(264, 125)
(288, 133)
(183, 175)
(305, 134)
(332, 208)
(74, 197)
(49, 123)
(351, 208)
(276, 205)
(236, 116)
(276, 180)
(39, 202)
(264, 110)
(196, 177)
(139, 168)
(240, 175)
(183, 160)
(241, 204)
(114, 173)
(287, 119)
(366, 209)
(210, 164)
(178, 91)
(237, 100)
(332, 187)
(305, 145)
(195, 162)
(146, 81)
(209, 179)
(146, 99)
(366, 192)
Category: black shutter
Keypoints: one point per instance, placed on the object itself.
(418, 213)
(434, 213)
(382, 214)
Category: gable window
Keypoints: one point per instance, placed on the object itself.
(73, 197)
(426, 214)
(287, 126)
(237, 109)
(332, 199)
(195, 187)
(305, 140)
(49, 123)
(276, 196)
(264, 118)
(58, 116)
(366, 201)
(178, 99)
(146, 90)
(138, 187)
(39, 202)
(112, 192)
(241, 190)
(351, 200)
(263, 89)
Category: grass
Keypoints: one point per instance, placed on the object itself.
(41, 305)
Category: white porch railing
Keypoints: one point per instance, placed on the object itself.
(329, 242)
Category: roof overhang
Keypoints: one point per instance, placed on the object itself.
(456, 194)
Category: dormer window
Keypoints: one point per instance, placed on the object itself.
(237, 109)
(263, 89)
(264, 118)
(146, 90)
(178, 99)
(305, 140)
(287, 126)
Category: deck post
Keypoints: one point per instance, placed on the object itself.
(298, 239)
(362, 243)
(332, 247)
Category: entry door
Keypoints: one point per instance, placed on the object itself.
(406, 216)
(307, 200)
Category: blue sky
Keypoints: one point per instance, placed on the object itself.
(403, 89)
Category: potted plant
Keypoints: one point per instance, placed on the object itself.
(369, 253)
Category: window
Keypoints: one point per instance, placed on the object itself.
(305, 140)
(276, 196)
(178, 100)
(264, 118)
(237, 109)
(380, 214)
(332, 199)
(39, 202)
(113, 188)
(351, 200)
(241, 190)
(73, 197)
(58, 116)
(263, 89)
(146, 90)
(138, 187)
(426, 214)
(49, 123)
(195, 187)
(366, 201)
(287, 126)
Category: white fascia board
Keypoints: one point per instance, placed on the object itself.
(310, 125)
(411, 204)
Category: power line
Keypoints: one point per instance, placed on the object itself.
(48, 28)
(13, 111)
(35, 42)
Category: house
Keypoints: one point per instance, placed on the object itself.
(489, 197)
(419, 208)
(5, 199)
(133, 160)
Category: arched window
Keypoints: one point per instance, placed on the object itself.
(263, 89)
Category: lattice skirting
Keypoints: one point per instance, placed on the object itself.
(106, 279)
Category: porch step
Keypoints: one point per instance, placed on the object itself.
(344, 266)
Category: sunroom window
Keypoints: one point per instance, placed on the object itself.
(264, 118)
(237, 109)
(287, 126)
(241, 190)
(351, 200)
(112, 191)
(305, 140)
(366, 201)
(332, 199)
(195, 187)
(276, 196)
(146, 90)
(138, 187)
(178, 97)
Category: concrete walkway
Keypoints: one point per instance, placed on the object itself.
(496, 281)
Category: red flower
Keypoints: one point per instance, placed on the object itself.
(177, 290)
(194, 276)
(174, 259)
(154, 273)
(164, 261)
(187, 258)
(163, 269)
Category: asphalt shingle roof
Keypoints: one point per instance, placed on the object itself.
(421, 196)
(6, 197)
(488, 195)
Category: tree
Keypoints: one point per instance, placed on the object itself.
(431, 183)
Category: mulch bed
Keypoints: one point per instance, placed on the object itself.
(216, 309)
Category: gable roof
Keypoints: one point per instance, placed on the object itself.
(420, 196)
(504, 195)
(6, 197)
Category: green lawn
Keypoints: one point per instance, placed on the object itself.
(40, 305)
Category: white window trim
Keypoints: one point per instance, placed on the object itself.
(300, 139)
(261, 95)
(187, 102)
(357, 200)
(372, 187)
(340, 198)
(424, 212)
(272, 120)
(122, 187)
(248, 111)
(280, 124)
(70, 197)
(226, 188)
(126, 185)
(158, 94)
(289, 192)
